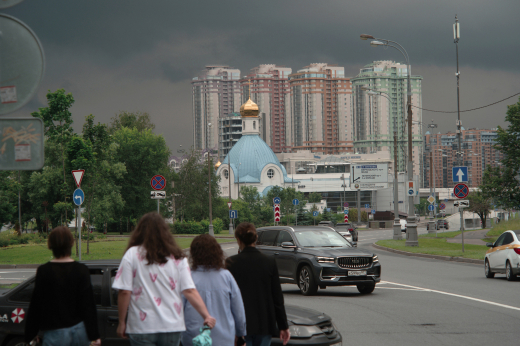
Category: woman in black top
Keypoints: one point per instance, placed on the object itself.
(62, 305)
(259, 283)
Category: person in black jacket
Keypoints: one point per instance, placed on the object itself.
(259, 283)
(62, 306)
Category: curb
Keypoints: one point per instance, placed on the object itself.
(443, 258)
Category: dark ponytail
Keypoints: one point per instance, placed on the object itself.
(246, 233)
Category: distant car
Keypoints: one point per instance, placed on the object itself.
(326, 223)
(439, 215)
(350, 227)
(403, 225)
(439, 224)
(504, 256)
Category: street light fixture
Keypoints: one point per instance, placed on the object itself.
(210, 227)
(411, 233)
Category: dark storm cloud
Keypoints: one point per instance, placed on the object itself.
(141, 55)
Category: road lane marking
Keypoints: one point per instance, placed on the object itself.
(454, 295)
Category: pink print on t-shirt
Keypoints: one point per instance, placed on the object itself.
(157, 300)
(134, 272)
(153, 277)
(142, 315)
(119, 272)
(177, 308)
(172, 283)
(137, 293)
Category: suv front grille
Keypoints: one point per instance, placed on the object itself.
(354, 262)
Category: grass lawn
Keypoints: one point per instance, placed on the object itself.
(8, 287)
(38, 253)
(503, 226)
(451, 234)
(439, 246)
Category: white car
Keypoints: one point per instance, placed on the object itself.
(403, 225)
(504, 256)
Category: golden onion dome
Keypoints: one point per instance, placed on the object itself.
(249, 109)
(217, 165)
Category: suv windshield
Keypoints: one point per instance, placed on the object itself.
(321, 238)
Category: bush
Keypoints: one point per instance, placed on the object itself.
(193, 227)
(90, 236)
(101, 236)
(7, 239)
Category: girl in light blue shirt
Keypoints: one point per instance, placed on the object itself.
(218, 290)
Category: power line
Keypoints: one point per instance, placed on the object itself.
(467, 110)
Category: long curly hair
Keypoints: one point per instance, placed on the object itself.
(153, 234)
(206, 252)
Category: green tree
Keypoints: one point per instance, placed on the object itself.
(480, 205)
(138, 120)
(57, 120)
(314, 197)
(144, 155)
(8, 197)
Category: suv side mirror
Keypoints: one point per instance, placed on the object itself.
(288, 245)
(489, 244)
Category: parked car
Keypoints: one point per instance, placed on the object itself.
(326, 223)
(307, 327)
(504, 256)
(350, 227)
(316, 257)
(439, 224)
(403, 223)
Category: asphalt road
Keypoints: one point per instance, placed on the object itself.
(419, 302)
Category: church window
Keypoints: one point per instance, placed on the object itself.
(226, 173)
(270, 173)
(254, 125)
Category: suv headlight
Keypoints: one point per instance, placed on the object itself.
(303, 331)
(324, 259)
(375, 259)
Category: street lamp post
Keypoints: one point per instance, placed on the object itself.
(411, 226)
(397, 223)
(431, 227)
(210, 227)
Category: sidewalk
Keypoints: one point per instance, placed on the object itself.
(470, 237)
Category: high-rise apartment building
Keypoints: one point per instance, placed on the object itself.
(376, 117)
(216, 94)
(269, 88)
(230, 131)
(319, 118)
(479, 153)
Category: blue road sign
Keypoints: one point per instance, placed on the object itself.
(460, 174)
(345, 211)
(461, 190)
(277, 200)
(345, 204)
(158, 182)
(295, 201)
(233, 214)
(315, 213)
(367, 205)
(445, 200)
(373, 211)
(78, 197)
(431, 207)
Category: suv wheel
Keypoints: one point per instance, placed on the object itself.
(366, 288)
(306, 281)
(487, 270)
(509, 272)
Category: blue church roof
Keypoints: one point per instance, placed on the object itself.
(249, 156)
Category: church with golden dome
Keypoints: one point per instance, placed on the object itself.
(251, 162)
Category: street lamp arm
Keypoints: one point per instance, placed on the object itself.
(399, 48)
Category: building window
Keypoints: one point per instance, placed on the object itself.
(226, 174)
(270, 173)
(254, 125)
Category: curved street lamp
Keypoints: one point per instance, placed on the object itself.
(411, 228)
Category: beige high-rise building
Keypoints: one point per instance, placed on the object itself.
(320, 112)
(375, 117)
(269, 88)
(216, 94)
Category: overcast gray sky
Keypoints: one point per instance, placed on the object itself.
(141, 55)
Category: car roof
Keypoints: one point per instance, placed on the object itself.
(295, 228)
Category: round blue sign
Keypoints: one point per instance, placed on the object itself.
(431, 207)
(315, 213)
(78, 197)
(277, 200)
(295, 201)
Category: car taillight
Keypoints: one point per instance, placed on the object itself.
(351, 230)
(517, 250)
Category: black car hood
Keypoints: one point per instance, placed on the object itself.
(335, 252)
(304, 316)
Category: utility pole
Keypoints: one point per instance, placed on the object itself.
(397, 220)
(456, 37)
(432, 178)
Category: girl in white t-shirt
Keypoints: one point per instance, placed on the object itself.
(153, 273)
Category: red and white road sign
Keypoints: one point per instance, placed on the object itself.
(18, 315)
(78, 176)
(158, 182)
(461, 190)
(345, 218)
(229, 205)
(277, 212)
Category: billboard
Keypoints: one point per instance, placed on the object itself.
(21, 144)
(369, 176)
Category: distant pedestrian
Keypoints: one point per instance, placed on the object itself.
(219, 291)
(153, 273)
(257, 277)
(62, 306)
